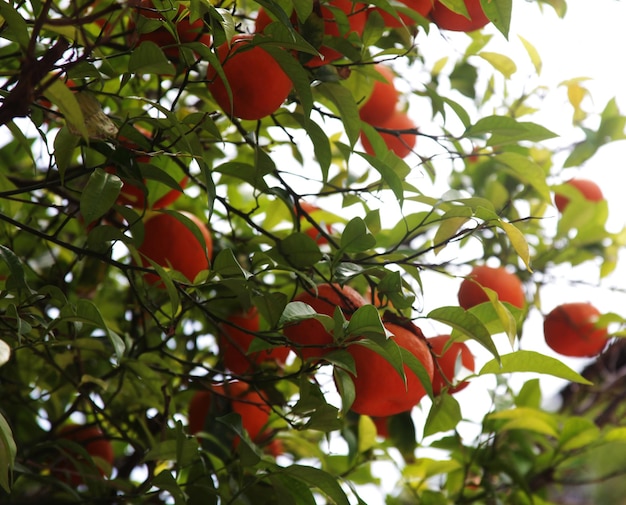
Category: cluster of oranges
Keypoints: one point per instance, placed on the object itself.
(570, 329)
(181, 241)
(234, 83)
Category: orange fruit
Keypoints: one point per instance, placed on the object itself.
(258, 84)
(570, 329)
(93, 440)
(379, 389)
(170, 243)
(447, 19)
(251, 405)
(446, 363)
(309, 336)
(508, 287)
(234, 341)
(401, 143)
(588, 189)
(381, 104)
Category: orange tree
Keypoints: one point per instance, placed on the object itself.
(254, 178)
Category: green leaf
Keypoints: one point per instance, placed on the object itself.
(99, 195)
(14, 26)
(16, 269)
(451, 222)
(466, 323)
(356, 237)
(8, 451)
(87, 310)
(291, 491)
(518, 241)
(321, 144)
(343, 100)
(444, 415)
(148, 58)
(245, 172)
(271, 306)
(463, 78)
(366, 322)
(296, 72)
(60, 95)
(578, 432)
(65, 143)
(499, 13)
(524, 418)
(299, 250)
(392, 169)
(367, 434)
(298, 311)
(165, 480)
(535, 58)
(345, 385)
(320, 479)
(226, 265)
(503, 64)
(532, 361)
(526, 170)
(507, 130)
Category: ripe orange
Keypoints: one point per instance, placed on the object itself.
(379, 389)
(311, 231)
(446, 363)
(186, 31)
(170, 243)
(309, 336)
(508, 287)
(399, 141)
(240, 397)
(589, 190)
(234, 341)
(570, 329)
(422, 7)
(446, 19)
(258, 83)
(93, 440)
(381, 104)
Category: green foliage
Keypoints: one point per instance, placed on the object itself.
(100, 126)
